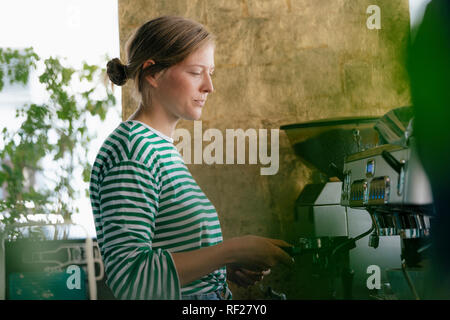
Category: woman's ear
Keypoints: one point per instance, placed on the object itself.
(150, 78)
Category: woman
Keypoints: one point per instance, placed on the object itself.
(158, 233)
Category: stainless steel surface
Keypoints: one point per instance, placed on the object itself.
(320, 215)
(385, 256)
(409, 187)
(400, 286)
(318, 212)
(379, 215)
(390, 182)
(417, 185)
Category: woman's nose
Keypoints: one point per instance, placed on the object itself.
(207, 84)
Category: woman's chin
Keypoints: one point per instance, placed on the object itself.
(194, 116)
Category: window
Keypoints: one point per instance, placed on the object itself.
(79, 30)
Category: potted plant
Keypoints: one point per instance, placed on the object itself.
(40, 160)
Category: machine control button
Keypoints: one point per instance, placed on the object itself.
(379, 189)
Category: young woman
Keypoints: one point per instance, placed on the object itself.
(159, 235)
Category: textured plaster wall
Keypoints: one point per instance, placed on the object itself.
(280, 62)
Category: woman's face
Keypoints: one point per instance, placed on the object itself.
(182, 89)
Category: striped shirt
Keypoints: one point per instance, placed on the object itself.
(147, 205)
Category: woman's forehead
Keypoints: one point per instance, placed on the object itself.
(202, 57)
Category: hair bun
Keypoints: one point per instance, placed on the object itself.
(117, 72)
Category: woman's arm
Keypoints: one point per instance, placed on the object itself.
(250, 252)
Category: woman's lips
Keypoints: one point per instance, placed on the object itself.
(200, 102)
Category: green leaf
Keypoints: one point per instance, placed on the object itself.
(62, 117)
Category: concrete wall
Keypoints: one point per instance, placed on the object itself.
(280, 62)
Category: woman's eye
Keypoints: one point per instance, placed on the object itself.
(196, 73)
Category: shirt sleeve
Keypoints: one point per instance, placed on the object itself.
(128, 205)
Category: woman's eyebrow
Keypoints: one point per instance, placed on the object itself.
(202, 66)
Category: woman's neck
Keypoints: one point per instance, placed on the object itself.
(157, 120)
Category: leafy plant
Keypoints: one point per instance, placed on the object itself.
(54, 132)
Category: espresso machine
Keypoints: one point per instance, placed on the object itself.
(366, 226)
(390, 184)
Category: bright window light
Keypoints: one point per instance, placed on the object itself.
(78, 30)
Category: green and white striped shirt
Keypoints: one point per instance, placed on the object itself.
(146, 205)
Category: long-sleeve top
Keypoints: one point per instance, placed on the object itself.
(146, 206)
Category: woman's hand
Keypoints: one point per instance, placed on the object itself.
(250, 253)
(244, 277)
(258, 253)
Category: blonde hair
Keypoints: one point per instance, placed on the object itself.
(166, 40)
